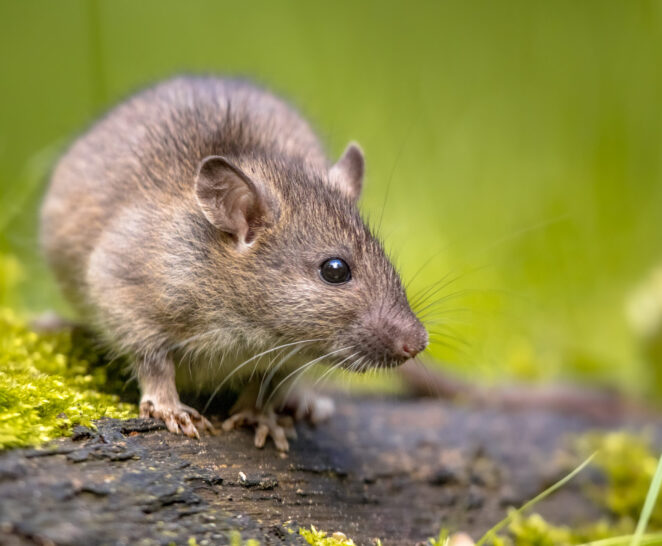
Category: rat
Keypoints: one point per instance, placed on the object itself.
(200, 229)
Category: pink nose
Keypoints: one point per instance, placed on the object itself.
(410, 348)
(396, 337)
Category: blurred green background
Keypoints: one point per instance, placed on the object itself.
(514, 148)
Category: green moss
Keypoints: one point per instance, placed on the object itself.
(534, 530)
(320, 538)
(628, 465)
(48, 385)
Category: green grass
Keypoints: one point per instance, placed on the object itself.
(649, 505)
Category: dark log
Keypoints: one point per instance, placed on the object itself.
(395, 469)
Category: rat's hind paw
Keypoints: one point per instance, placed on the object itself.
(267, 423)
(177, 418)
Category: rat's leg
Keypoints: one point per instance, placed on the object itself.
(160, 399)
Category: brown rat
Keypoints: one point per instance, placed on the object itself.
(201, 230)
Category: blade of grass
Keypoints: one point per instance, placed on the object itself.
(490, 534)
(625, 540)
(649, 504)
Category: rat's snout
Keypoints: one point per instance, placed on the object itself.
(410, 340)
(393, 338)
(409, 345)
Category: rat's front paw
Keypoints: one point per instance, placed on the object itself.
(267, 423)
(177, 417)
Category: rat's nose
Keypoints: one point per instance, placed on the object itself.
(394, 338)
(410, 346)
(408, 337)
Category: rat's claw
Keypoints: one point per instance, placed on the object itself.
(233, 422)
(280, 438)
(261, 433)
(170, 422)
(202, 422)
(187, 426)
(267, 423)
(180, 418)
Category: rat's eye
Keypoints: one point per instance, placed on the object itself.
(335, 271)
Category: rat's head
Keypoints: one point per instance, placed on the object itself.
(308, 273)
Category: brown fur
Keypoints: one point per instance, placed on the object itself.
(134, 252)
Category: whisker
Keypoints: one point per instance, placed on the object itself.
(334, 367)
(245, 362)
(266, 379)
(447, 280)
(421, 268)
(390, 178)
(296, 370)
(433, 291)
(455, 337)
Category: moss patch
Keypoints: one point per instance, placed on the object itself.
(534, 530)
(321, 538)
(48, 385)
(628, 464)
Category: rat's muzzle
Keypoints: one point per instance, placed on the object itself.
(390, 339)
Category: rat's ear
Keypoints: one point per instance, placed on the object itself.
(347, 173)
(231, 201)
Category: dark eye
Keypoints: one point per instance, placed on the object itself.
(335, 271)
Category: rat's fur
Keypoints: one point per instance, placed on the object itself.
(127, 237)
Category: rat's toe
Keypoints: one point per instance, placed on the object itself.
(178, 418)
(280, 438)
(168, 417)
(234, 421)
(187, 426)
(261, 433)
(269, 427)
(199, 421)
(206, 425)
(266, 424)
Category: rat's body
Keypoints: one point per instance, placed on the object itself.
(190, 225)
